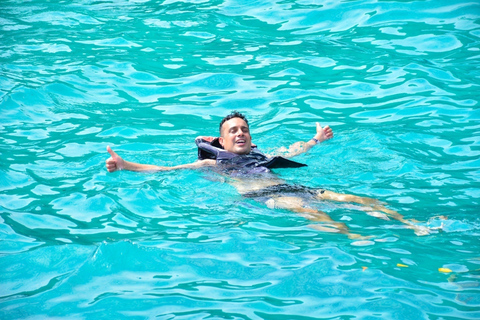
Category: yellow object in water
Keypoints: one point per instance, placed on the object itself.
(402, 265)
(445, 270)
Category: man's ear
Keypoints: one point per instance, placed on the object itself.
(221, 141)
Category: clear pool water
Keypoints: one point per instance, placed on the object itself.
(398, 81)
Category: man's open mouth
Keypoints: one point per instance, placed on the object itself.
(240, 141)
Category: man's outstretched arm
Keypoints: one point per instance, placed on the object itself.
(115, 163)
(300, 147)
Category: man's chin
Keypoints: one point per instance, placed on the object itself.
(243, 150)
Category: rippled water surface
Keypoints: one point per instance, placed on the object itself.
(398, 81)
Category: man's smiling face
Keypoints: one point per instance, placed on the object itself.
(235, 136)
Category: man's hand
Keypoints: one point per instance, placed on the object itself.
(115, 162)
(301, 147)
(323, 133)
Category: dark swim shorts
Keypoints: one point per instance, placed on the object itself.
(284, 190)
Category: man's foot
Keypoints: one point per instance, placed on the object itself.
(377, 214)
(324, 228)
(419, 230)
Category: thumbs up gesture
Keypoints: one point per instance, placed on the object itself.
(323, 134)
(115, 162)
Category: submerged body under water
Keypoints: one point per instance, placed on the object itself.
(397, 81)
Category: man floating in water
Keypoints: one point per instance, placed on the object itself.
(249, 171)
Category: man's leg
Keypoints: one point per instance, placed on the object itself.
(371, 205)
(297, 204)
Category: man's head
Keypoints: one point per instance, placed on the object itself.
(235, 134)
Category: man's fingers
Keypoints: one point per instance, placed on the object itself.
(115, 162)
(328, 132)
(112, 153)
(111, 165)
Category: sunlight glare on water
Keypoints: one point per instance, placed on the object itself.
(398, 82)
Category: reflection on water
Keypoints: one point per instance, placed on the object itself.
(398, 82)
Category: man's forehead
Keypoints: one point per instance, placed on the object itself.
(234, 122)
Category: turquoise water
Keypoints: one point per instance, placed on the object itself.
(398, 81)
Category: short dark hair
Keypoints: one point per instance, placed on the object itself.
(233, 114)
